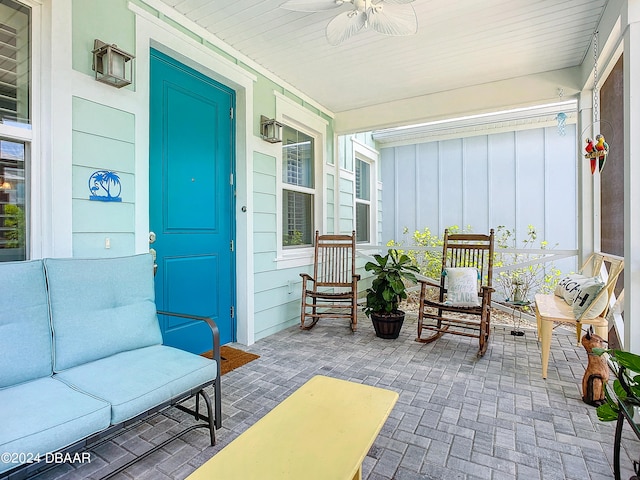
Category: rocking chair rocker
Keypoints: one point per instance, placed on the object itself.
(333, 289)
(455, 314)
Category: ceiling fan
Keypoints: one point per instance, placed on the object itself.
(389, 17)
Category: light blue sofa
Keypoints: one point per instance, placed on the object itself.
(81, 354)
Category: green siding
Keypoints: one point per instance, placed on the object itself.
(264, 242)
(264, 183)
(107, 217)
(264, 222)
(273, 320)
(91, 150)
(89, 244)
(265, 281)
(264, 164)
(102, 120)
(275, 297)
(264, 202)
(103, 139)
(264, 262)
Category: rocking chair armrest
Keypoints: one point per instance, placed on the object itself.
(306, 276)
(356, 277)
(486, 288)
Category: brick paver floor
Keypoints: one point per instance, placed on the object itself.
(458, 417)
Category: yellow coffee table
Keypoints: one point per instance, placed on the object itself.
(322, 431)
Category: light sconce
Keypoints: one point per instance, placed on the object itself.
(270, 129)
(112, 65)
(4, 185)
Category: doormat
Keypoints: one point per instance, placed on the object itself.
(232, 358)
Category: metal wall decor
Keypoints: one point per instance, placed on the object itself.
(105, 186)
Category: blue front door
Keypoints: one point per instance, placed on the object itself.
(191, 201)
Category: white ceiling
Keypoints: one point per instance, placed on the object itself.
(459, 43)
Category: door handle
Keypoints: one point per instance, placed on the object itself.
(154, 255)
(152, 238)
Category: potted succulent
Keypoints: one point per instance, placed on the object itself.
(387, 290)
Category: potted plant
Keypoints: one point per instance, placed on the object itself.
(387, 290)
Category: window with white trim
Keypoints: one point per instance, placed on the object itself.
(15, 126)
(363, 201)
(298, 193)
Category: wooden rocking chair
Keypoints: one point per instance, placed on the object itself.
(332, 290)
(460, 317)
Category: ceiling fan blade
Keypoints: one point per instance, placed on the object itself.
(311, 5)
(394, 19)
(344, 26)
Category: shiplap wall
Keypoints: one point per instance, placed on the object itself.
(514, 179)
(103, 139)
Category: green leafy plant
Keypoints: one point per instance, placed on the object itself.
(626, 386)
(429, 262)
(529, 279)
(388, 287)
(15, 223)
(292, 238)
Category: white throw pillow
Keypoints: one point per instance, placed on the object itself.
(462, 286)
(587, 292)
(569, 286)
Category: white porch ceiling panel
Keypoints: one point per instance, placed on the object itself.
(459, 43)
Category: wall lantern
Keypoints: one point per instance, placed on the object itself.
(270, 129)
(112, 65)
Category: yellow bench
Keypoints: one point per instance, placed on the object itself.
(552, 309)
(322, 431)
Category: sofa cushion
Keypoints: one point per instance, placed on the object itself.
(25, 331)
(136, 381)
(100, 307)
(46, 415)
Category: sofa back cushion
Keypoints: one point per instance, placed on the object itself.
(25, 330)
(100, 307)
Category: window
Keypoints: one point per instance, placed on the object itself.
(363, 201)
(15, 68)
(298, 188)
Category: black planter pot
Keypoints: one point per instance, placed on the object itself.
(388, 325)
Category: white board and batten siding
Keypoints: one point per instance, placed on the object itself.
(514, 179)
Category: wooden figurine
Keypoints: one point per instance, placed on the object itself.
(597, 374)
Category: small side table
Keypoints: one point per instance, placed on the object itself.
(518, 307)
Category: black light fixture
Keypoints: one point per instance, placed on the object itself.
(112, 65)
(270, 129)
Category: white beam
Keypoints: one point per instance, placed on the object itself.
(508, 94)
(631, 18)
(587, 206)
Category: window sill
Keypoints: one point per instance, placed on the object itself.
(296, 258)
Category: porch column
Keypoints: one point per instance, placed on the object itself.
(587, 206)
(632, 176)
